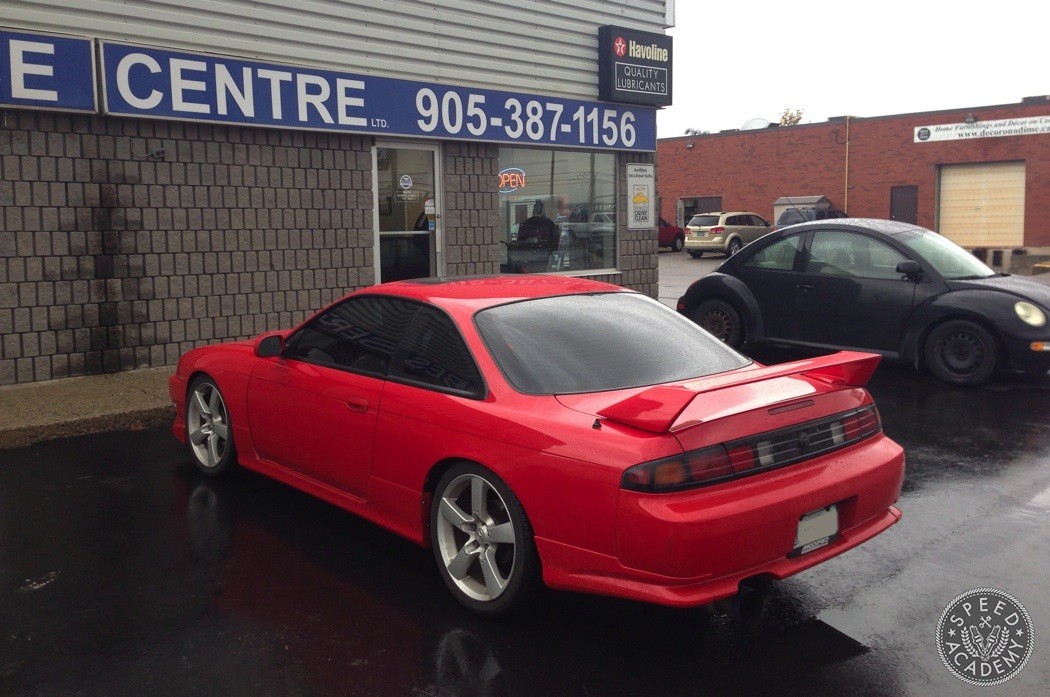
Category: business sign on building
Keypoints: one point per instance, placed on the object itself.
(46, 71)
(1033, 125)
(141, 81)
(634, 67)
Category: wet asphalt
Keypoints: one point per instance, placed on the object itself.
(123, 572)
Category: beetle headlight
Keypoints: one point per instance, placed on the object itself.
(1029, 313)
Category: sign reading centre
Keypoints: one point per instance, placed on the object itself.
(45, 71)
(157, 83)
(634, 67)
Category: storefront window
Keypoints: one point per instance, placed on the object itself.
(557, 210)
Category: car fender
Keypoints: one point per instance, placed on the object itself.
(732, 290)
(985, 307)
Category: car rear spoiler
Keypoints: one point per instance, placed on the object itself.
(658, 408)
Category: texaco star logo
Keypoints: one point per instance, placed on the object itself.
(985, 636)
(620, 46)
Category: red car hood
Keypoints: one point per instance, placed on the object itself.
(674, 407)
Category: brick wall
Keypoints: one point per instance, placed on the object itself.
(471, 217)
(112, 260)
(751, 169)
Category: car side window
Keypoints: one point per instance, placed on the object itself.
(840, 253)
(433, 353)
(757, 221)
(779, 256)
(735, 220)
(360, 334)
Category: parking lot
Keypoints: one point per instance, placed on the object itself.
(122, 571)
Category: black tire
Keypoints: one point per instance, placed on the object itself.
(457, 532)
(677, 243)
(695, 255)
(735, 245)
(209, 431)
(961, 352)
(721, 320)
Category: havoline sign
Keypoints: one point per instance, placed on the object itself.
(634, 67)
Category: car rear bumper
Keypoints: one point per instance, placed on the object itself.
(706, 244)
(696, 547)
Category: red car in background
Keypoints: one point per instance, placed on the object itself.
(520, 428)
(671, 236)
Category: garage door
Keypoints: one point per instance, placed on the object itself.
(982, 205)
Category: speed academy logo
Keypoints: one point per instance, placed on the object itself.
(985, 636)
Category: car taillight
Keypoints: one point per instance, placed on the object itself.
(717, 230)
(683, 471)
(755, 454)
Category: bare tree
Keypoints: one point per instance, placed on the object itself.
(791, 118)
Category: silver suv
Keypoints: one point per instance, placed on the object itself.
(724, 232)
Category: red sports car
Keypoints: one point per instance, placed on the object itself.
(534, 428)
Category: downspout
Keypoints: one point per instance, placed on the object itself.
(845, 195)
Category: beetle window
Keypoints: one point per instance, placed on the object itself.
(359, 334)
(779, 256)
(433, 353)
(839, 253)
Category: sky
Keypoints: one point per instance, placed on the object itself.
(744, 59)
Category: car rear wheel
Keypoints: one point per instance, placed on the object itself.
(961, 352)
(482, 541)
(721, 320)
(695, 255)
(734, 247)
(677, 243)
(208, 429)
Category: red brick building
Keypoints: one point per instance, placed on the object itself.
(979, 175)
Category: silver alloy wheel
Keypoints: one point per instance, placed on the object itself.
(476, 537)
(208, 425)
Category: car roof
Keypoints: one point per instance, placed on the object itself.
(485, 291)
(727, 213)
(886, 227)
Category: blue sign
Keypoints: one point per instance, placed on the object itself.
(156, 83)
(46, 71)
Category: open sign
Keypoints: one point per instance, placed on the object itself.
(511, 179)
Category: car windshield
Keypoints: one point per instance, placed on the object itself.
(949, 259)
(592, 343)
(703, 220)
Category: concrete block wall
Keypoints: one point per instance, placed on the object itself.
(115, 257)
(471, 217)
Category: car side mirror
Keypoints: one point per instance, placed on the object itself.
(911, 269)
(269, 346)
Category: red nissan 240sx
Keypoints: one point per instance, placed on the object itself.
(553, 429)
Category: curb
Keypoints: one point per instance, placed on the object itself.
(24, 436)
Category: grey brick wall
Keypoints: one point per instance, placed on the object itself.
(111, 259)
(471, 219)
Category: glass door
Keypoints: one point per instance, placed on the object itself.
(407, 210)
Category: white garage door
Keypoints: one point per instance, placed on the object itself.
(982, 205)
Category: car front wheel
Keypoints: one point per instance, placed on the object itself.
(208, 429)
(721, 320)
(695, 255)
(734, 247)
(961, 352)
(677, 243)
(482, 541)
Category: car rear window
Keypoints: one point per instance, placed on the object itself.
(704, 220)
(593, 343)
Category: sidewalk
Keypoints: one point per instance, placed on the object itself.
(41, 411)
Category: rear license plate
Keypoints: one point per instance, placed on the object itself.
(816, 529)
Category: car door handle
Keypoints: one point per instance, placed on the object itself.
(806, 287)
(358, 406)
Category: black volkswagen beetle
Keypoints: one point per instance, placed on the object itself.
(891, 288)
